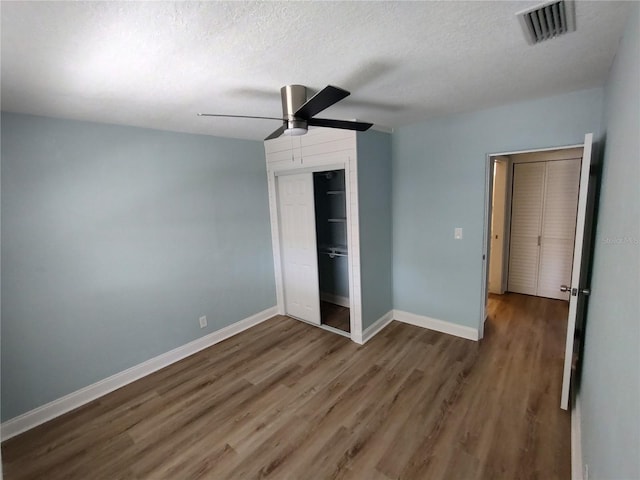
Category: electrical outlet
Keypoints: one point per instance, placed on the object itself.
(203, 322)
(457, 233)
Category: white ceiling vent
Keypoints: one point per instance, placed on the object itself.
(547, 20)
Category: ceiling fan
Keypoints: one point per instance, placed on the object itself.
(298, 113)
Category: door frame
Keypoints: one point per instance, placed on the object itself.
(322, 163)
(486, 232)
(506, 220)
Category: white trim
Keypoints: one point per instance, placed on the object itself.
(331, 329)
(275, 239)
(534, 150)
(518, 160)
(486, 242)
(576, 441)
(506, 239)
(335, 299)
(374, 329)
(353, 241)
(62, 405)
(322, 167)
(438, 325)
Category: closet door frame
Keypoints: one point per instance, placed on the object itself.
(319, 163)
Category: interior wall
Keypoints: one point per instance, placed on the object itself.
(374, 199)
(115, 240)
(610, 383)
(439, 184)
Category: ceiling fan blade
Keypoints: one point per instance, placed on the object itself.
(343, 124)
(237, 116)
(276, 133)
(321, 100)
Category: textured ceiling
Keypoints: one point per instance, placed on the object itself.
(155, 64)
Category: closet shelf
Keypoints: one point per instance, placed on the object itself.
(336, 220)
(334, 192)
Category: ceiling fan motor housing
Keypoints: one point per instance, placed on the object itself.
(293, 97)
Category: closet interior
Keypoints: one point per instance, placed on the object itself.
(331, 241)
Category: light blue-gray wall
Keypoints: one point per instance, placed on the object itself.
(610, 384)
(114, 241)
(439, 184)
(374, 198)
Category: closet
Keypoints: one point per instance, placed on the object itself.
(313, 200)
(313, 244)
(543, 221)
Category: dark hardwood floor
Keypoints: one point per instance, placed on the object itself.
(335, 316)
(286, 400)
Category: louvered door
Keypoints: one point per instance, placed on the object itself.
(543, 222)
(562, 183)
(526, 222)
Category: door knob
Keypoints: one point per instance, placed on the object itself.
(564, 288)
(586, 292)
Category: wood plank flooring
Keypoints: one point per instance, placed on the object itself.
(286, 400)
(335, 316)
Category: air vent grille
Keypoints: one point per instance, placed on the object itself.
(547, 20)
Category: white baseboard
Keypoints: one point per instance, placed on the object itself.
(335, 299)
(576, 441)
(373, 329)
(437, 325)
(62, 405)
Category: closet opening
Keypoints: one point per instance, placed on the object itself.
(333, 255)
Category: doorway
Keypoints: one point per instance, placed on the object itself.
(314, 238)
(533, 207)
(576, 288)
(333, 253)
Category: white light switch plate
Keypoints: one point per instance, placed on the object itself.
(457, 234)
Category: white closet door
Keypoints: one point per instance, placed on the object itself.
(298, 242)
(526, 220)
(562, 185)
